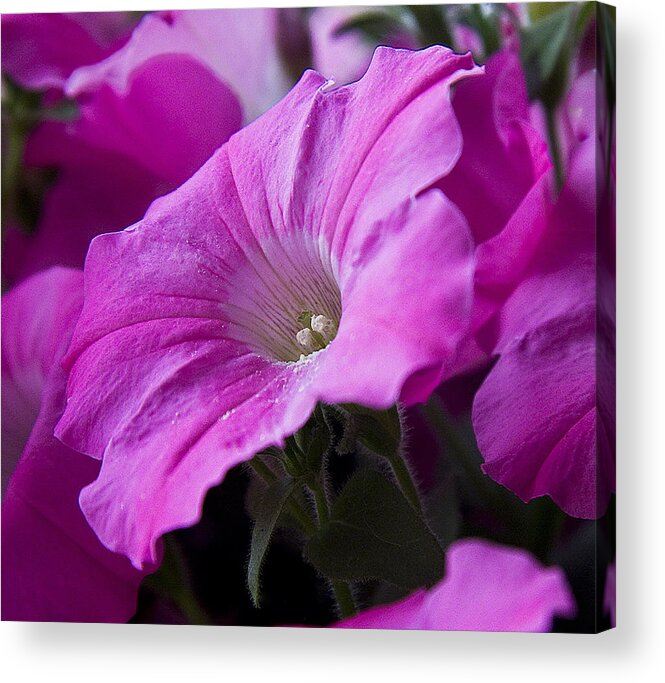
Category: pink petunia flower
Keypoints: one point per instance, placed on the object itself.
(302, 263)
(487, 587)
(40, 51)
(150, 115)
(53, 566)
(555, 341)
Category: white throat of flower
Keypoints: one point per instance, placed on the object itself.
(316, 333)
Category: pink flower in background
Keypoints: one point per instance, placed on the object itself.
(150, 115)
(555, 340)
(487, 587)
(40, 51)
(300, 264)
(53, 566)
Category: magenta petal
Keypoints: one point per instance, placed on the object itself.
(37, 322)
(503, 154)
(185, 360)
(124, 151)
(172, 116)
(541, 426)
(487, 587)
(39, 51)
(238, 47)
(421, 339)
(53, 566)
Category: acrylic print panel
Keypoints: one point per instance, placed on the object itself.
(308, 317)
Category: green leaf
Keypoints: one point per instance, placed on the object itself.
(373, 533)
(267, 514)
(545, 51)
(376, 26)
(432, 24)
(172, 582)
(378, 430)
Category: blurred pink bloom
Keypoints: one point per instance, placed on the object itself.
(40, 51)
(487, 587)
(53, 566)
(150, 115)
(555, 339)
(192, 353)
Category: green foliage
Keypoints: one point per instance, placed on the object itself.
(268, 512)
(377, 26)
(172, 581)
(546, 50)
(378, 430)
(373, 533)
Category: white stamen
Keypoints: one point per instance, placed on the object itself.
(324, 326)
(306, 340)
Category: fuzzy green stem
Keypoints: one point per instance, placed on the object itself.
(341, 590)
(344, 599)
(554, 146)
(300, 515)
(406, 482)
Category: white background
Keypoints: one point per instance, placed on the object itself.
(635, 651)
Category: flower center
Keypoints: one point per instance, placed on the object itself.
(316, 333)
(284, 302)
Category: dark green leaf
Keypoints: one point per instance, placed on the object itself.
(172, 582)
(373, 533)
(267, 513)
(376, 26)
(432, 24)
(545, 52)
(378, 430)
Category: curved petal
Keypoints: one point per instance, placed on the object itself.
(173, 114)
(37, 322)
(564, 447)
(503, 154)
(392, 266)
(344, 160)
(487, 587)
(53, 566)
(185, 360)
(238, 46)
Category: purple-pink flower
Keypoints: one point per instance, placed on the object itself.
(487, 587)
(53, 566)
(300, 264)
(555, 339)
(40, 51)
(150, 114)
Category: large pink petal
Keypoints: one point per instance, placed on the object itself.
(487, 587)
(173, 114)
(344, 160)
(185, 360)
(544, 419)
